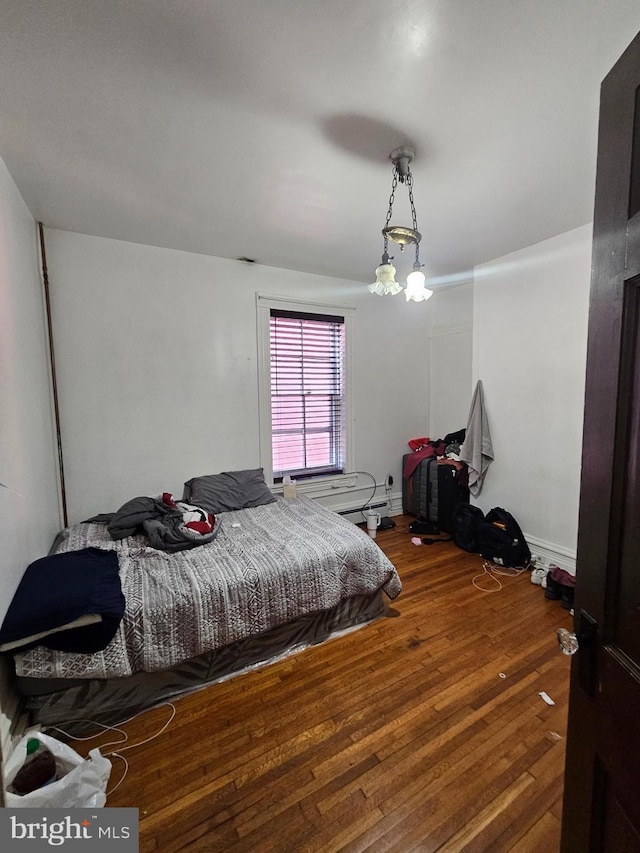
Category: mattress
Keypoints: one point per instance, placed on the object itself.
(79, 704)
(268, 566)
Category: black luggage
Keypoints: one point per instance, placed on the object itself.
(415, 491)
(433, 492)
(466, 520)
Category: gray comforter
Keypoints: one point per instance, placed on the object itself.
(267, 566)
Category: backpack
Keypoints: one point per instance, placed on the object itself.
(465, 522)
(501, 540)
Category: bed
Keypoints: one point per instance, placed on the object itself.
(276, 578)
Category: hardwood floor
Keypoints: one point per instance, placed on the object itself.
(423, 731)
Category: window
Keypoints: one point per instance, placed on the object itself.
(303, 392)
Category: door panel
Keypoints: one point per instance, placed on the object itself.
(634, 188)
(601, 806)
(615, 830)
(625, 606)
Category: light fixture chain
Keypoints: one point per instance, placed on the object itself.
(392, 197)
(409, 183)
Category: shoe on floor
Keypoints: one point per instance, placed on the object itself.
(553, 589)
(567, 597)
(427, 527)
(538, 575)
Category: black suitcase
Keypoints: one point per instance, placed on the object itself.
(433, 492)
(415, 491)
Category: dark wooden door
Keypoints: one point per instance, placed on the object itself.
(602, 782)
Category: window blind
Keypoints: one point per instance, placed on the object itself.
(307, 393)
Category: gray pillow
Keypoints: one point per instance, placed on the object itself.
(228, 491)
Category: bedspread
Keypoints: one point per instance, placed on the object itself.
(268, 565)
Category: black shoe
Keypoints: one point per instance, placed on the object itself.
(424, 527)
(553, 589)
(567, 597)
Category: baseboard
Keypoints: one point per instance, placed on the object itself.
(550, 553)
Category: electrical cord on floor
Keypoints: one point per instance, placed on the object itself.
(125, 737)
(493, 572)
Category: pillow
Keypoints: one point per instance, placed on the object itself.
(228, 491)
(71, 602)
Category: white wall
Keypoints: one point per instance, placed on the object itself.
(529, 350)
(156, 356)
(450, 332)
(29, 509)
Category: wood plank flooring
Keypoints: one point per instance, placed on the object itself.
(424, 731)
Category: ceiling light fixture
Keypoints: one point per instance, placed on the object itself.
(385, 282)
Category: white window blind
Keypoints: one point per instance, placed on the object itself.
(307, 393)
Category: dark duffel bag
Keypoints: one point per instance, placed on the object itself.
(501, 541)
(465, 524)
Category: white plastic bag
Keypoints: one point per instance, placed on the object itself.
(81, 782)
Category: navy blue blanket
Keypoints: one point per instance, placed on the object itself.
(59, 589)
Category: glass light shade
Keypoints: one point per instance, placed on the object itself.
(416, 290)
(385, 282)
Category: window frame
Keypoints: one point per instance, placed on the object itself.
(264, 304)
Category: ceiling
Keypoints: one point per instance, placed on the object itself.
(253, 129)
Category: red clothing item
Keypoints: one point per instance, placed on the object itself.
(561, 576)
(434, 448)
(202, 527)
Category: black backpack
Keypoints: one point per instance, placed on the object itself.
(501, 540)
(465, 522)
